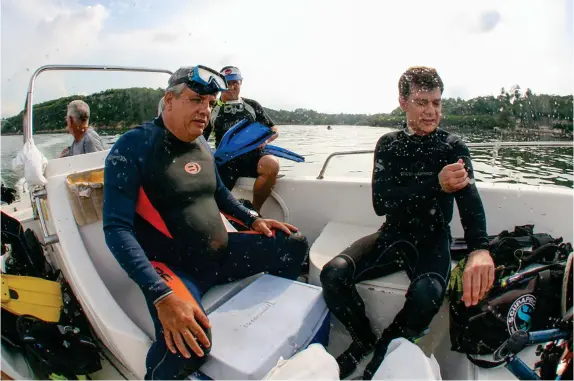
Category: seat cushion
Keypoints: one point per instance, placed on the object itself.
(337, 236)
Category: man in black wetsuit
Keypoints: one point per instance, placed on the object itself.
(162, 222)
(229, 111)
(418, 172)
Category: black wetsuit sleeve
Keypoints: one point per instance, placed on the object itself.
(260, 114)
(122, 179)
(228, 204)
(469, 203)
(388, 195)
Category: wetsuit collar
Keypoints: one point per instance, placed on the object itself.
(410, 133)
(158, 121)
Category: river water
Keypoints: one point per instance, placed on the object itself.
(530, 165)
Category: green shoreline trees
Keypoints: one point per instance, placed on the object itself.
(117, 110)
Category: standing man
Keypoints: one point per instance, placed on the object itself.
(161, 214)
(86, 139)
(230, 110)
(418, 172)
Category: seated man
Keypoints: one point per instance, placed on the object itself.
(229, 111)
(86, 139)
(162, 201)
(418, 172)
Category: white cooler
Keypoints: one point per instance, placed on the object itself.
(271, 318)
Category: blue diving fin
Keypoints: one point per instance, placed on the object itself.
(240, 139)
(284, 153)
(247, 136)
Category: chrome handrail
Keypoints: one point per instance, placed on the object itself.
(495, 145)
(37, 196)
(28, 129)
(340, 153)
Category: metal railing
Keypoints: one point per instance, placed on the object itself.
(494, 145)
(28, 126)
(41, 194)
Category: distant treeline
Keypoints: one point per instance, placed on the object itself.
(121, 109)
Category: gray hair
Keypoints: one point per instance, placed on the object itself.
(79, 111)
(160, 106)
(176, 89)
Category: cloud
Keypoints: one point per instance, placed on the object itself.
(488, 21)
(40, 33)
(328, 55)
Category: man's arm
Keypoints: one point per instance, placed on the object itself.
(65, 152)
(122, 182)
(228, 204)
(469, 203)
(387, 195)
(478, 275)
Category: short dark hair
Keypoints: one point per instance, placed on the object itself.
(425, 77)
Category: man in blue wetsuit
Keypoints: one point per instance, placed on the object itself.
(418, 173)
(162, 222)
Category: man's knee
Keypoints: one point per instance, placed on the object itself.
(268, 166)
(337, 273)
(292, 251)
(427, 292)
(297, 244)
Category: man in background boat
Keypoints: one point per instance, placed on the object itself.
(418, 172)
(86, 139)
(229, 111)
(161, 217)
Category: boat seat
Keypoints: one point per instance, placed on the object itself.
(384, 296)
(86, 196)
(115, 307)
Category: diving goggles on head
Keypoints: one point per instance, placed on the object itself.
(203, 81)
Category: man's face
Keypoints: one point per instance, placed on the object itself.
(189, 113)
(233, 90)
(423, 108)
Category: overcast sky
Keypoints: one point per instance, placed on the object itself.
(332, 55)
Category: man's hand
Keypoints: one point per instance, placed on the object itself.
(271, 138)
(453, 177)
(478, 277)
(264, 226)
(179, 319)
(65, 151)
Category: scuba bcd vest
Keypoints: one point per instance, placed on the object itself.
(526, 295)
